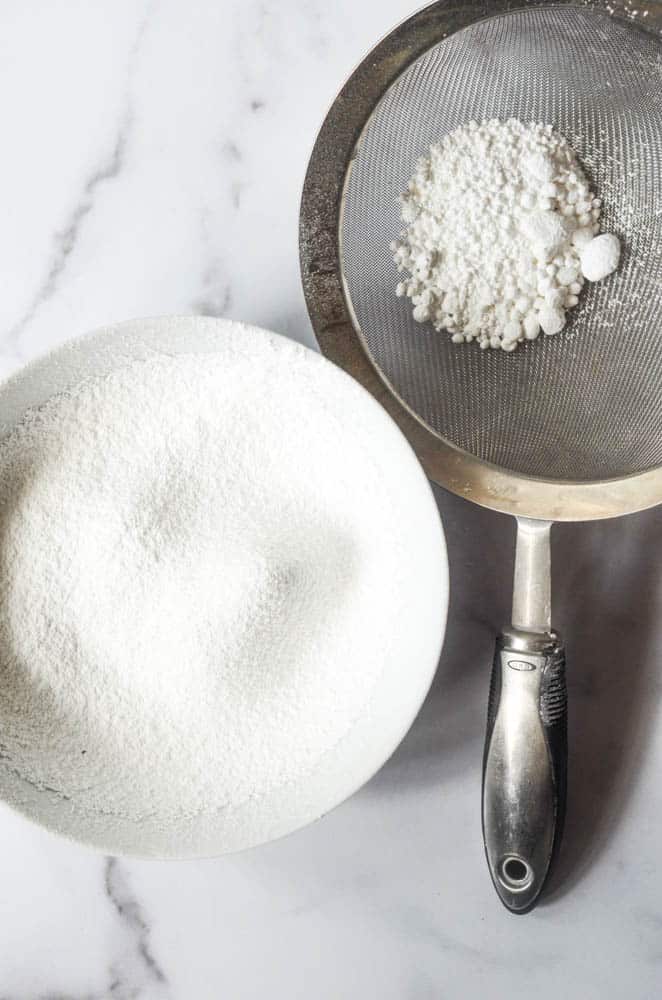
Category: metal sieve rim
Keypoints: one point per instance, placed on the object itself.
(336, 328)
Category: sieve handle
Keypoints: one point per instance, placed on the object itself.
(524, 765)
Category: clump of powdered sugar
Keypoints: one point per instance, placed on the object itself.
(499, 218)
(194, 579)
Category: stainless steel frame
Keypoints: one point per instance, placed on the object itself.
(331, 315)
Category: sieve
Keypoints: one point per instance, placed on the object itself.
(567, 428)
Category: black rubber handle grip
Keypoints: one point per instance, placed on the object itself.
(525, 768)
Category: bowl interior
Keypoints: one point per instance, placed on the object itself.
(415, 643)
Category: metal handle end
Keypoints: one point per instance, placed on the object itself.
(524, 768)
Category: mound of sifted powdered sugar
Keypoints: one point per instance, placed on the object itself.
(501, 234)
(199, 554)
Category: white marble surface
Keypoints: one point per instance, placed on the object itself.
(153, 155)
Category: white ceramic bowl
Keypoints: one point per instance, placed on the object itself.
(415, 629)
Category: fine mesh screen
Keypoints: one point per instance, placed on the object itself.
(586, 404)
